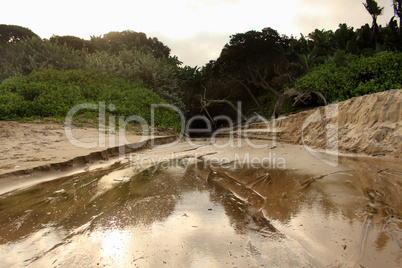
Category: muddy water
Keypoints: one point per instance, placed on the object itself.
(198, 216)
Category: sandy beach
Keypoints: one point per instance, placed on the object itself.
(28, 145)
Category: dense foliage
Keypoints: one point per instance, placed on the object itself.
(259, 66)
(354, 76)
(27, 55)
(14, 33)
(156, 74)
(49, 92)
(114, 42)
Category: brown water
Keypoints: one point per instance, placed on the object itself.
(200, 217)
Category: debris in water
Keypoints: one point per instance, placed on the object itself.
(122, 179)
(62, 191)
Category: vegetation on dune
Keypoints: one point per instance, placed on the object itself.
(156, 74)
(50, 92)
(347, 76)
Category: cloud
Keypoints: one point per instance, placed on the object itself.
(328, 15)
(196, 50)
(207, 4)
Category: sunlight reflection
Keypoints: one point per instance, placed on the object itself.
(113, 245)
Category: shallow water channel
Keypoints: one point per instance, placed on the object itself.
(198, 216)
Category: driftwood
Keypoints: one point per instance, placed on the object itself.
(205, 103)
(302, 96)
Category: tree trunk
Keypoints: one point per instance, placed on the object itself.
(293, 93)
(251, 95)
(375, 33)
(259, 79)
(400, 26)
(209, 102)
(286, 95)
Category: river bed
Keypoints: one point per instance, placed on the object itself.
(190, 213)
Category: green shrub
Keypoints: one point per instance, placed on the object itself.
(23, 57)
(356, 76)
(155, 74)
(50, 92)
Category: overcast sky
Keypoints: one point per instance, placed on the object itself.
(195, 30)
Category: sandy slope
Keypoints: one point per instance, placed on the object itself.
(369, 125)
(28, 145)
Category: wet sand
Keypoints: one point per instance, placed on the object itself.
(207, 206)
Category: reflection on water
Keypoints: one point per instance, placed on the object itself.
(201, 217)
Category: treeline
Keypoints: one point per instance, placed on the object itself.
(259, 66)
(255, 67)
(124, 67)
(112, 42)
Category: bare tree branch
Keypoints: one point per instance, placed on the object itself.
(251, 94)
(300, 96)
(205, 103)
(260, 79)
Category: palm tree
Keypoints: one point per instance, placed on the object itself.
(398, 12)
(323, 45)
(375, 10)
